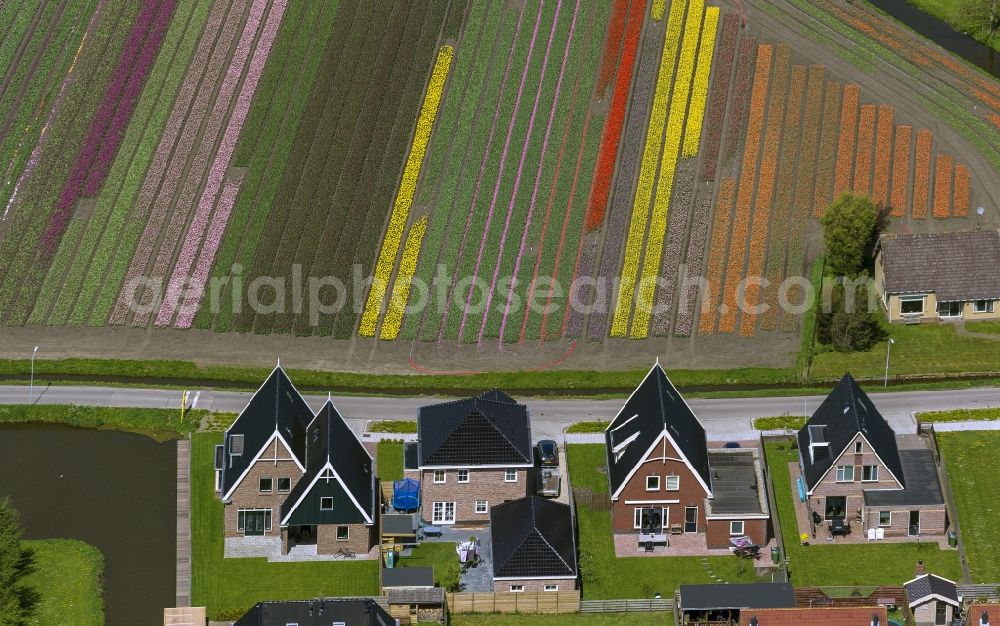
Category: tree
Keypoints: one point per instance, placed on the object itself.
(849, 232)
(848, 326)
(15, 601)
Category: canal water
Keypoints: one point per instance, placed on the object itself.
(942, 34)
(113, 490)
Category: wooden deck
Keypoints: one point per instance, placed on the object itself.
(183, 523)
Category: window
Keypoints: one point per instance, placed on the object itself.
(551, 587)
(284, 485)
(845, 473)
(463, 476)
(869, 473)
(650, 520)
(253, 521)
(736, 528)
(859, 447)
(264, 485)
(983, 306)
(516, 588)
(885, 518)
(443, 513)
(673, 483)
(440, 476)
(326, 504)
(911, 306)
(940, 613)
(950, 309)
(510, 476)
(236, 445)
(343, 533)
(482, 506)
(652, 483)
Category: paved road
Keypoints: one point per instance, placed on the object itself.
(723, 417)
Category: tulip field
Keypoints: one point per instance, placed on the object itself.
(198, 165)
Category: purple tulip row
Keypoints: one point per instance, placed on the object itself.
(694, 260)
(201, 228)
(503, 163)
(574, 324)
(673, 250)
(174, 150)
(482, 172)
(108, 126)
(628, 168)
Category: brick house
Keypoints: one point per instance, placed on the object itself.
(853, 469)
(932, 600)
(534, 546)
(318, 612)
(664, 479)
(983, 614)
(469, 455)
(301, 478)
(939, 276)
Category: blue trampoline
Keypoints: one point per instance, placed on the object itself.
(406, 494)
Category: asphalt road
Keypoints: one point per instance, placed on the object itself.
(724, 418)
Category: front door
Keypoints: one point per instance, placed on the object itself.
(690, 519)
(651, 520)
(914, 522)
(940, 613)
(836, 506)
(254, 523)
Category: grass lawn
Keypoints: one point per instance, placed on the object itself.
(67, 576)
(389, 460)
(919, 349)
(395, 426)
(780, 422)
(160, 424)
(960, 415)
(599, 619)
(441, 556)
(227, 586)
(858, 564)
(992, 327)
(604, 575)
(948, 11)
(977, 497)
(587, 427)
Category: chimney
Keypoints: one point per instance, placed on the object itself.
(985, 619)
(920, 568)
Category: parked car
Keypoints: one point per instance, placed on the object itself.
(548, 453)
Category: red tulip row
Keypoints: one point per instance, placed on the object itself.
(616, 30)
(883, 154)
(922, 174)
(827, 146)
(720, 94)
(900, 171)
(863, 157)
(717, 255)
(845, 148)
(741, 97)
(600, 189)
(961, 190)
(942, 186)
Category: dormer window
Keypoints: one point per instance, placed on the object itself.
(619, 449)
(236, 445)
(859, 447)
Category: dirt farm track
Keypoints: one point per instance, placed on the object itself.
(484, 148)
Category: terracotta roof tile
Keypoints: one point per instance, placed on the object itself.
(841, 616)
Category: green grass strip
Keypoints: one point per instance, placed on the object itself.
(960, 415)
(65, 573)
(161, 424)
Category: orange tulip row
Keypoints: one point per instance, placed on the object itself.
(942, 186)
(717, 254)
(922, 174)
(744, 195)
(863, 158)
(900, 171)
(961, 190)
(824, 173)
(883, 154)
(994, 119)
(845, 149)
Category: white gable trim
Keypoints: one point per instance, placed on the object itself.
(267, 444)
(933, 596)
(635, 468)
(344, 419)
(302, 468)
(612, 424)
(839, 456)
(316, 478)
(697, 475)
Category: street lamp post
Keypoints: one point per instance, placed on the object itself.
(31, 383)
(888, 347)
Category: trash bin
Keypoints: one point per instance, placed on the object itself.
(775, 555)
(952, 538)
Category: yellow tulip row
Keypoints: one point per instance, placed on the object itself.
(647, 169)
(699, 94)
(404, 278)
(407, 188)
(668, 162)
(656, 10)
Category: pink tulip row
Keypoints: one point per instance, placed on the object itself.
(693, 261)
(178, 141)
(213, 232)
(673, 251)
(187, 201)
(482, 169)
(108, 126)
(503, 163)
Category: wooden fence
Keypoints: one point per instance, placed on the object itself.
(626, 606)
(507, 602)
(593, 501)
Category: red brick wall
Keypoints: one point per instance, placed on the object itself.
(933, 519)
(717, 535)
(691, 493)
(248, 496)
(534, 585)
(484, 484)
(360, 539)
(853, 490)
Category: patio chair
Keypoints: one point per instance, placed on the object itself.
(879, 534)
(871, 534)
(648, 546)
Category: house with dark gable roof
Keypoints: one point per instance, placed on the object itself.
(939, 276)
(663, 478)
(300, 478)
(932, 599)
(534, 546)
(470, 454)
(318, 612)
(852, 468)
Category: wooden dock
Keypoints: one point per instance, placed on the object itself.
(183, 523)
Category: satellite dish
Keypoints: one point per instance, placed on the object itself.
(980, 210)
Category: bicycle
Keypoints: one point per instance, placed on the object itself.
(345, 553)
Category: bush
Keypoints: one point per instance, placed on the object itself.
(393, 426)
(780, 422)
(849, 326)
(587, 427)
(960, 415)
(849, 230)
